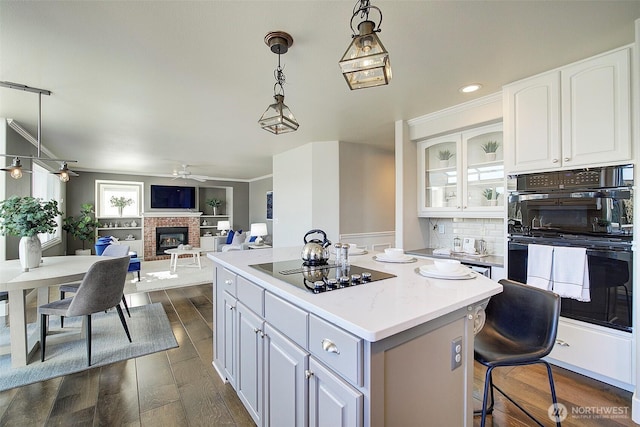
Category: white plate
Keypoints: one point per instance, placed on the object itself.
(357, 252)
(430, 270)
(404, 259)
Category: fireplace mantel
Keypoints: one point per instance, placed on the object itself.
(171, 214)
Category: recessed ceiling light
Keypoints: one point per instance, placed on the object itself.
(470, 88)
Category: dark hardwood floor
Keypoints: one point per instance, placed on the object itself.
(179, 387)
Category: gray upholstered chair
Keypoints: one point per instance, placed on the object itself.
(100, 290)
(111, 251)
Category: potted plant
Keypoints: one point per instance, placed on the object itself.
(26, 217)
(120, 203)
(491, 195)
(82, 227)
(490, 148)
(215, 204)
(444, 156)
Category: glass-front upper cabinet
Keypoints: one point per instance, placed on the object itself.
(462, 173)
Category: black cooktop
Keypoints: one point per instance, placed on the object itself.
(320, 278)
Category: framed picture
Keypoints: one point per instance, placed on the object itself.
(269, 204)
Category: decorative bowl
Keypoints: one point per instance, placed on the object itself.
(447, 265)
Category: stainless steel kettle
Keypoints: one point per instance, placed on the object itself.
(316, 251)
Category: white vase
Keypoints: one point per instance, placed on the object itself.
(30, 252)
(490, 156)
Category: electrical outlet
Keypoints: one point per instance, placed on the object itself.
(441, 229)
(456, 353)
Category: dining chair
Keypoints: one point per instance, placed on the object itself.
(100, 290)
(115, 251)
(520, 329)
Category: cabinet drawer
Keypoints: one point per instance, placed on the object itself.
(603, 352)
(226, 280)
(287, 318)
(250, 295)
(337, 348)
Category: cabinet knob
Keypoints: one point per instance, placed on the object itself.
(562, 343)
(458, 207)
(256, 330)
(329, 346)
(228, 282)
(231, 307)
(308, 374)
(566, 159)
(554, 161)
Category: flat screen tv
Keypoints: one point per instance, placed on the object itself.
(172, 197)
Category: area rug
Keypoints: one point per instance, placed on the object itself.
(150, 333)
(156, 275)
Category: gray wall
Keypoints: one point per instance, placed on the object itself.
(367, 189)
(81, 190)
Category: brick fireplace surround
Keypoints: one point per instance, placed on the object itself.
(169, 219)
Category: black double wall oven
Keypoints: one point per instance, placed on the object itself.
(588, 208)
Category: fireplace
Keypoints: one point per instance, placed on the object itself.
(170, 237)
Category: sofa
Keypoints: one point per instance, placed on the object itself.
(237, 241)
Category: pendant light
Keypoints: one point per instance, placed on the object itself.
(15, 170)
(366, 61)
(64, 173)
(278, 118)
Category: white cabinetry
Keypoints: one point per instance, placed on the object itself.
(611, 362)
(471, 183)
(128, 231)
(578, 115)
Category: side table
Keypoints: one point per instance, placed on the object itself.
(175, 253)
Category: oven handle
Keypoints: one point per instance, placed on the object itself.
(604, 248)
(605, 193)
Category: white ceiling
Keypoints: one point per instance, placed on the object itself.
(144, 86)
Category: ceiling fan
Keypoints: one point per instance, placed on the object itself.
(185, 174)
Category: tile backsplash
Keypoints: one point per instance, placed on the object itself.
(489, 229)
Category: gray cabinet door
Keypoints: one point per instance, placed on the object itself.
(332, 401)
(286, 396)
(228, 332)
(250, 361)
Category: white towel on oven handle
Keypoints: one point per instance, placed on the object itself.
(571, 273)
(539, 266)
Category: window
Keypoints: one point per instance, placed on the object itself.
(105, 190)
(47, 186)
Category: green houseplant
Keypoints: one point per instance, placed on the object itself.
(444, 156)
(491, 195)
(120, 203)
(490, 148)
(26, 217)
(215, 204)
(83, 226)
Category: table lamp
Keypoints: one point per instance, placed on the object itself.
(259, 229)
(223, 226)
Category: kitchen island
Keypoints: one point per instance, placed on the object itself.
(397, 351)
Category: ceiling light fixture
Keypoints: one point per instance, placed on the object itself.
(366, 61)
(470, 88)
(278, 118)
(16, 168)
(64, 173)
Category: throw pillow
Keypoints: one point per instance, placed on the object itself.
(238, 238)
(253, 239)
(230, 237)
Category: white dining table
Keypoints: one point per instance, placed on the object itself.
(52, 271)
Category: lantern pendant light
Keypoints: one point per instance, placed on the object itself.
(366, 61)
(278, 118)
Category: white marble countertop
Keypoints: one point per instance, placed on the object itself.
(373, 311)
